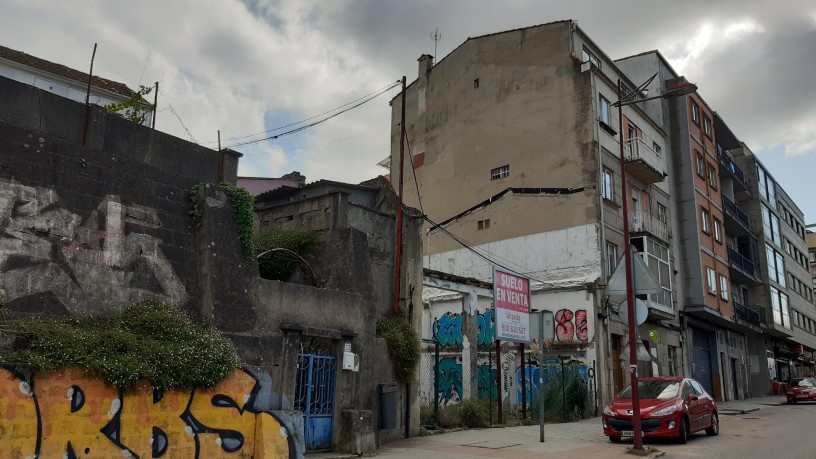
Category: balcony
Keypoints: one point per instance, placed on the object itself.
(742, 269)
(643, 162)
(747, 316)
(729, 169)
(737, 222)
(642, 222)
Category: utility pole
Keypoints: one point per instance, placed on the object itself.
(398, 256)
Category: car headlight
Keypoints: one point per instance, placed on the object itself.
(608, 411)
(665, 411)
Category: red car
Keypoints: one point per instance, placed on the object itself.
(801, 390)
(669, 408)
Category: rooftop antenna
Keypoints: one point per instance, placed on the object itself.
(436, 36)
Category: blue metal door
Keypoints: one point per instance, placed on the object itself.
(314, 388)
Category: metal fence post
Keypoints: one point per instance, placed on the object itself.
(436, 382)
(490, 381)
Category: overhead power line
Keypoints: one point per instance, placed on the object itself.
(367, 96)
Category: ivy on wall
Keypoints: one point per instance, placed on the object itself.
(154, 342)
(243, 209)
(403, 344)
(280, 268)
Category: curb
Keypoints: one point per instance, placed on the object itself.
(734, 412)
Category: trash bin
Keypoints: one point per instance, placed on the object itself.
(388, 405)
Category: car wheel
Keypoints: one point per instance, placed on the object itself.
(682, 433)
(791, 401)
(615, 439)
(715, 426)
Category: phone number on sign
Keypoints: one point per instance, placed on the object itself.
(514, 329)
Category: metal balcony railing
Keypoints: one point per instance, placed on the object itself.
(729, 165)
(737, 213)
(746, 314)
(635, 148)
(742, 263)
(643, 221)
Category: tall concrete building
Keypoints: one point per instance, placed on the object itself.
(515, 145)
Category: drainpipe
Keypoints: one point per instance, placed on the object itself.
(408, 385)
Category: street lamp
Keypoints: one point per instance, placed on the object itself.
(680, 89)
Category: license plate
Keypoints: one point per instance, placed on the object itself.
(627, 433)
(802, 396)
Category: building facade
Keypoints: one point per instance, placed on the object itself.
(515, 146)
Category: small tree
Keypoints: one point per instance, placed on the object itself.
(135, 108)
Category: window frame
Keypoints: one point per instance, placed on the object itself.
(611, 257)
(498, 173)
(604, 110)
(718, 230)
(695, 113)
(712, 176)
(723, 288)
(711, 280)
(708, 128)
(705, 217)
(701, 165)
(607, 172)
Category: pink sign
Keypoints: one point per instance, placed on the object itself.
(511, 297)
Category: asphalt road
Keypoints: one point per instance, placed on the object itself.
(777, 432)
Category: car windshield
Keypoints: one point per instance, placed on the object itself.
(653, 389)
(805, 382)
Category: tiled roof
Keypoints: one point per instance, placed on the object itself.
(63, 71)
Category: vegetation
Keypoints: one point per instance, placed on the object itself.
(403, 344)
(151, 341)
(243, 209)
(135, 108)
(565, 400)
(280, 268)
(474, 413)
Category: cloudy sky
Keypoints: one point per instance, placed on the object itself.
(247, 67)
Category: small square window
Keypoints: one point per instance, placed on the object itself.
(499, 172)
(483, 224)
(476, 83)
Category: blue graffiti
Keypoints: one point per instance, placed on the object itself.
(486, 328)
(450, 381)
(448, 330)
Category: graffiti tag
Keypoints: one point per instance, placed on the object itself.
(448, 329)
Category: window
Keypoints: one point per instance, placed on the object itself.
(770, 223)
(717, 230)
(483, 224)
(701, 168)
(712, 176)
(661, 213)
(656, 256)
(776, 265)
(604, 109)
(476, 83)
(766, 185)
(589, 57)
(724, 287)
(709, 131)
(499, 172)
(695, 113)
(704, 221)
(712, 281)
(611, 258)
(658, 151)
(608, 191)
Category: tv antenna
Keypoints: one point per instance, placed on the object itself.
(436, 36)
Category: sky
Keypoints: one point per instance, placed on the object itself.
(244, 67)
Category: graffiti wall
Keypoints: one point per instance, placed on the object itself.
(552, 371)
(70, 260)
(69, 415)
(447, 329)
(486, 327)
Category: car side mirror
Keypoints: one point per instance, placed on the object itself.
(692, 397)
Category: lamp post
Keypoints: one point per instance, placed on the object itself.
(677, 90)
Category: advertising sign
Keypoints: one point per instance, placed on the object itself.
(511, 296)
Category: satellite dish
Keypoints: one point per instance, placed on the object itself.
(641, 311)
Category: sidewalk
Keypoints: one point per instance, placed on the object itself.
(570, 440)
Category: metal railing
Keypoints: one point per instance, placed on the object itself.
(743, 263)
(643, 221)
(728, 164)
(746, 314)
(732, 209)
(636, 148)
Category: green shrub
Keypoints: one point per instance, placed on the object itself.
(449, 417)
(474, 413)
(280, 268)
(151, 341)
(403, 344)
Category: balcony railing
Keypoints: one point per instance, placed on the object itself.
(746, 314)
(638, 151)
(742, 263)
(730, 166)
(737, 213)
(643, 221)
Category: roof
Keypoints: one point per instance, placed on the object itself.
(43, 65)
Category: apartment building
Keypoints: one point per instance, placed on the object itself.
(810, 238)
(710, 271)
(514, 140)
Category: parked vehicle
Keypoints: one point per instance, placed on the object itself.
(670, 407)
(800, 390)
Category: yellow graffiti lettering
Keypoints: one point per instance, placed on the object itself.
(147, 426)
(230, 431)
(18, 417)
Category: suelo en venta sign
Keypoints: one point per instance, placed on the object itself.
(511, 296)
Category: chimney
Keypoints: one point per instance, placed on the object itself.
(425, 65)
